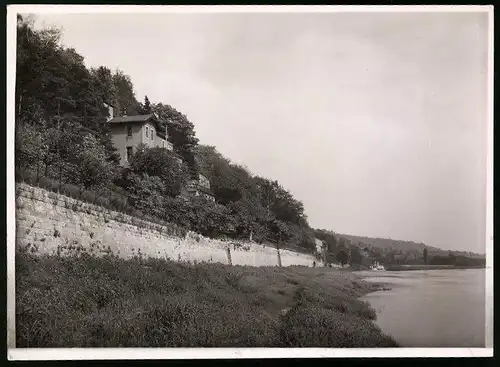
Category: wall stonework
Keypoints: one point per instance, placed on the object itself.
(50, 223)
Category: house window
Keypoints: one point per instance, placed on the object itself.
(147, 132)
(129, 153)
(152, 134)
(163, 144)
(129, 130)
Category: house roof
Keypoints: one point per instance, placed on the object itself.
(140, 119)
(128, 119)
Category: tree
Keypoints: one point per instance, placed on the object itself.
(105, 88)
(280, 231)
(426, 260)
(391, 256)
(90, 169)
(209, 218)
(343, 256)
(181, 134)
(248, 217)
(303, 236)
(356, 257)
(229, 182)
(451, 258)
(40, 74)
(219, 172)
(30, 145)
(125, 95)
(161, 163)
(146, 107)
(63, 143)
(280, 202)
(177, 210)
(256, 203)
(147, 193)
(48, 150)
(53, 86)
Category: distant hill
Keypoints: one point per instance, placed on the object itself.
(386, 244)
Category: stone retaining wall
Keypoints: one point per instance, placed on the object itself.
(50, 223)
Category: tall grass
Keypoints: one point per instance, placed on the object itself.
(88, 301)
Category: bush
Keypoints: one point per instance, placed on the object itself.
(162, 164)
(147, 193)
(321, 327)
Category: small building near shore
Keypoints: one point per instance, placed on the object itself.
(321, 249)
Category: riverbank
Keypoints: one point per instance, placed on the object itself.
(429, 267)
(109, 302)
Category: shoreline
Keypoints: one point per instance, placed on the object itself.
(430, 267)
(377, 287)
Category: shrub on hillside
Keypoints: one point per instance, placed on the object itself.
(147, 193)
(210, 219)
(161, 163)
(314, 326)
(89, 167)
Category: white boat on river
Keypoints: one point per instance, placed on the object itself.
(377, 266)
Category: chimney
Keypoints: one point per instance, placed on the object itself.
(111, 111)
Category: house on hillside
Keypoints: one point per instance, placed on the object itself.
(130, 131)
(199, 187)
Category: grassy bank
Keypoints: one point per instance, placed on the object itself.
(110, 302)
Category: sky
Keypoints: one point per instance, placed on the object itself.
(377, 122)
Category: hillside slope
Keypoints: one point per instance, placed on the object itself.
(387, 243)
(403, 246)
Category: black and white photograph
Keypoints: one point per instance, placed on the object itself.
(286, 178)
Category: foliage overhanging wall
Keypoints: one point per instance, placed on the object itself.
(50, 223)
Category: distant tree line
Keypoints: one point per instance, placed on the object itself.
(343, 250)
(457, 260)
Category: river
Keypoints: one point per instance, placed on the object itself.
(431, 308)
